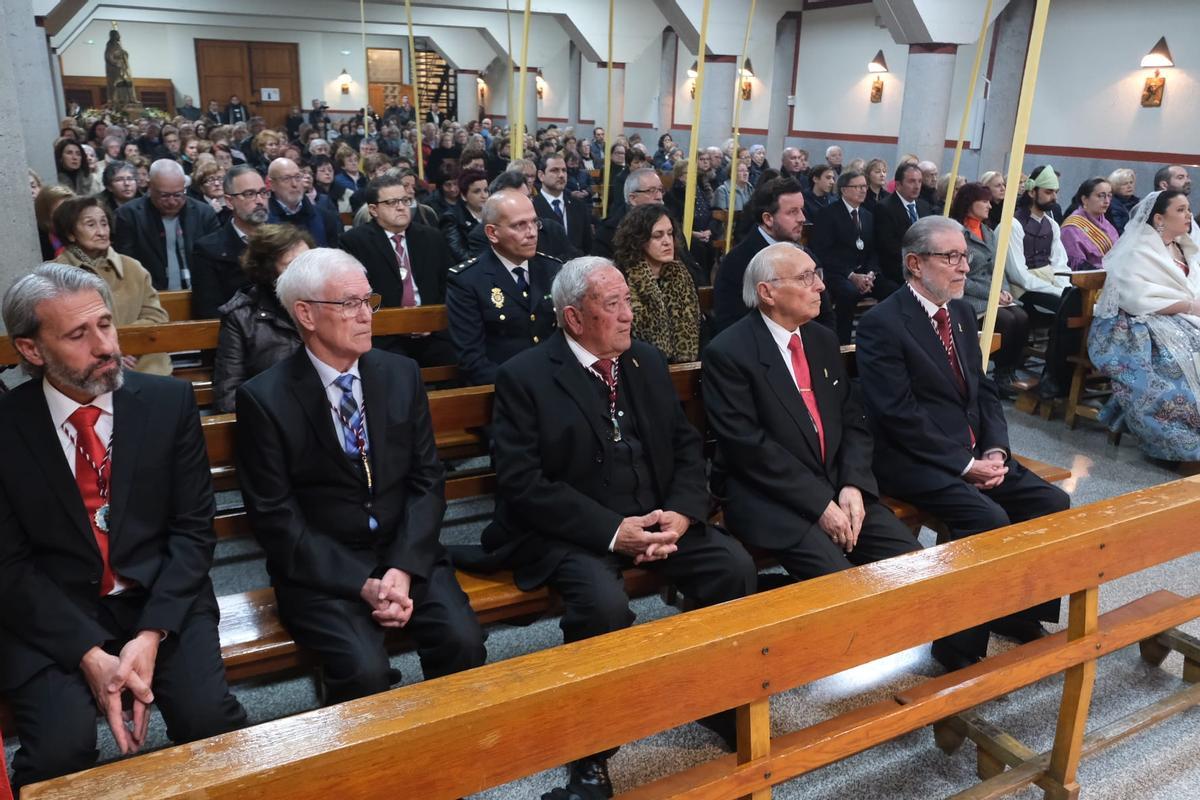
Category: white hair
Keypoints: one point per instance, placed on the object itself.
(571, 284)
(762, 268)
(305, 278)
(831, 148)
(166, 168)
(633, 181)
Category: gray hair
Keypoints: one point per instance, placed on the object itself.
(831, 148)
(46, 282)
(233, 174)
(757, 148)
(571, 284)
(313, 144)
(166, 168)
(919, 236)
(114, 169)
(306, 276)
(633, 182)
(763, 268)
(1121, 175)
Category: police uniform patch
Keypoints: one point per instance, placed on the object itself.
(457, 268)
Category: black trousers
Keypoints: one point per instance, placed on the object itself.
(815, 554)
(1012, 323)
(1064, 341)
(710, 567)
(965, 510)
(350, 645)
(56, 715)
(846, 296)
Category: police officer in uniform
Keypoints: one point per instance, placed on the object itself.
(499, 303)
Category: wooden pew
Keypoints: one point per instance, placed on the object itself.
(178, 305)
(463, 733)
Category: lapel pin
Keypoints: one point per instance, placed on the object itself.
(826, 370)
(960, 327)
(635, 362)
(835, 383)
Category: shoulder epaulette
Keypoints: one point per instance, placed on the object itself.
(457, 268)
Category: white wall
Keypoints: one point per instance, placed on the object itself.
(169, 51)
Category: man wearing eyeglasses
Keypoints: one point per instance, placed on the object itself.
(161, 229)
(499, 302)
(289, 206)
(216, 270)
(345, 491)
(406, 263)
(794, 453)
(843, 240)
(941, 442)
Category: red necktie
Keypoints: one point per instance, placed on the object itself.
(92, 471)
(5, 789)
(408, 297)
(804, 384)
(942, 318)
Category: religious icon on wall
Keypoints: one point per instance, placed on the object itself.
(1152, 92)
(877, 90)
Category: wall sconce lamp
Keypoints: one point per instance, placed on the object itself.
(1158, 57)
(691, 73)
(344, 80)
(541, 85)
(746, 73)
(878, 64)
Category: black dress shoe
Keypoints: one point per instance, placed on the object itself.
(952, 660)
(1023, 630)
(591, 772)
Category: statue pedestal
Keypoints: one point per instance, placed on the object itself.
(133, 110)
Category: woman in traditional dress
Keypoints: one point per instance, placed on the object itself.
(1146, 331)
(1086, 232)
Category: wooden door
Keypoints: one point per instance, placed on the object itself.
(224, 70)
(274, 65)
(246, 68)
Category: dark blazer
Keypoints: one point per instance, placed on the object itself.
(161, 533)
(319, 219)
(579, 219)
(139, 233)
(833, 240)
(490, 322)
(216, 272)
(919, 419)
(457, 224)
(728, 307)
(891, 223)
(552, 449)
(308, 501)
(256, 334)
(428, 254)
(775, 483)
(234, 114)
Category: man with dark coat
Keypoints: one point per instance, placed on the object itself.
(941, 442)
(289, 204)
(106, 539)
(553, 202)
(407, 264)
(345, 491)
(598, 469)
(216, 269)
(900, 210)
(499, 303)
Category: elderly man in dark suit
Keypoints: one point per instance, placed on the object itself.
(160, 229)
(899, 211)
(793, 448)
(406, 263)
(843, 240)
(345, 490)
(216, 269)
(106, 539)
(941, 442)
(599, 470)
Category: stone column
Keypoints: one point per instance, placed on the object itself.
(531, 98)
(716, 110)
(467, 87)
(29, 58)
(1011, 45)
(576, 70)
(18, 231)
(780, 117)
(927, 84)
(666, 85)
(618, 99)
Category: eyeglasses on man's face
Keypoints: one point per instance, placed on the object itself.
(253, 194)
(351, 305)
(952, 258)
(806, 278)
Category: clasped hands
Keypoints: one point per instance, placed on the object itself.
(842, 520)
(987, 472)
(863, 281)
(636, 539)
(388, 597)
(109, 677)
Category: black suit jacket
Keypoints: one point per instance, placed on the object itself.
(776, 485)
(728, 307)
(891, 223)
(216, 272)
(490, 322)
(139, 233)
(161, 534)
(919, 419)
(552, 448)
(428, 254)
(235, 114)
(579, 220)
(308, 501)
(833, 240)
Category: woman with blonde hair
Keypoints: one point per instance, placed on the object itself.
(1123, 181)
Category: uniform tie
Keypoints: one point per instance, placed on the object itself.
(93, 469)
(522, 286)
(804, 384)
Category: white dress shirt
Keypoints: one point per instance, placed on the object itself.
(783, 338)
(586, 360)
(510, 266)
(333, 392)
(562, 202)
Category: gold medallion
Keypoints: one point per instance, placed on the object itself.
(497, 297)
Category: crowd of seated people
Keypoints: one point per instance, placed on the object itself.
(293, 238)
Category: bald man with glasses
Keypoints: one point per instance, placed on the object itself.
(289, 206)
